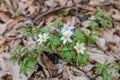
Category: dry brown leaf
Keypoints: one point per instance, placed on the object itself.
(3, 17)
(101, 42)
(116, 16)
(30, 44)
(112, 46)
(3, 28)
(118, 32)
(80, 78)
(2, 40)
(95, 2)
(99, 56)
(50, 66)
(51, 3)
(11, 24)
(86, 23)
(67, 74)
(27, 4)
(17, 43)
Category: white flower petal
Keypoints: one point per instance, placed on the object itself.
(64, 41)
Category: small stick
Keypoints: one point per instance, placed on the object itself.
(53, 10)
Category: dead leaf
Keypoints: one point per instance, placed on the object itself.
(2, 28)
(100, 56)
(51, 3)
(95, 2)
(11, 24)
(86, 23)
(3, 17)
(112, 46)
(50, 66)
(101, 42)
(80, 78)
(116, 16)
(17, 43)
(27, 4)
(118, 32)
(2, 40)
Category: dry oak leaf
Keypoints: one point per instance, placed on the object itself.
(49, 65)
(112, 46)
(116, 16)
(14, 22)
(2, 40)
(51, 3)
(99, 56)
(2, 28)
(101, 42)
(95, 2)
(4, 17)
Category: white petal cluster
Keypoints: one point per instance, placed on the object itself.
(42, 38)
(67, 33)
(67, 27)
(79, 48)
(66, 36)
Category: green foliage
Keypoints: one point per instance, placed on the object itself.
(82, 59)
(45, 30)
(99, 14)
(26, 64)
(30, 30)
(18, 52)
(106, 21)
(79, 35)
(52, 44)
(94, 25)
(105, 70)
(63, 13)
(92, 38)
(57, 24)
(68, 56)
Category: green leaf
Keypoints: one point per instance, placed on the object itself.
(57, 24)
(99, 14)
(79, 35)
(82, 59)
(19, 48)
(68, 56)
(45, 30)
(13, 52)
(14, 59)
(64, 49)
(63, 13)
(93, 25)
(24, 50)
(53, 48)
(105, 22)
(56, 41)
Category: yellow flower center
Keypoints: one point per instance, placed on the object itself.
(79, 48)
(43, 38)
(87, 32)
(65, 36)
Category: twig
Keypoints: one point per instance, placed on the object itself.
(108, 3)
(85, 73)
(53, 10)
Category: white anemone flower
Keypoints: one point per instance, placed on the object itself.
(67, 27)
(42, 38)
(87, 32)
(66, 36)
(80, 48)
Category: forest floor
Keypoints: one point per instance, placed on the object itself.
(103, 62)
